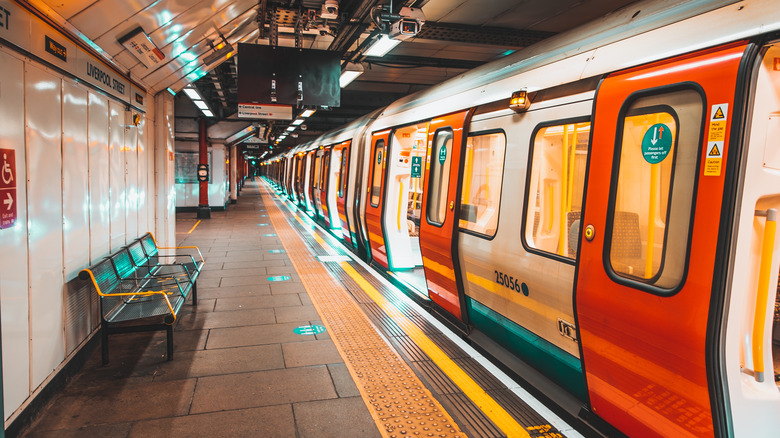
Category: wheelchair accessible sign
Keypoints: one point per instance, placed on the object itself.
(7, 188)
(657, 143)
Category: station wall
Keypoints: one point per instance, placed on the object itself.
(187, 187)
(88, 181)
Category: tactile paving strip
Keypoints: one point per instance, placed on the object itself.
(396, 398)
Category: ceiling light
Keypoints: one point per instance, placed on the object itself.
(193, 93)
(381, 45)
(351, 71)
(291, 129)
(208, 113)
(200, 104)
(307, 113)
(297, 122)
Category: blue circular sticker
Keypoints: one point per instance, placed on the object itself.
(443, 154)
(657, 143)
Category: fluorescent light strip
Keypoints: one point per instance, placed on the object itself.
(307, 113)
(192, 93)
(290, 128)
(347, 77)
(297, 122)
(200, 104)
(381, 46)
(208, 113)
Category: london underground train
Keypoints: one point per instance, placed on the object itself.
(602, 205)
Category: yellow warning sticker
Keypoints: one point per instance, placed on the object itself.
(713, 161)
(717, 131)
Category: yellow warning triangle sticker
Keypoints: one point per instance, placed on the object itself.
(715, 152)
(718, 115)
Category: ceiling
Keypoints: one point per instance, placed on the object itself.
(458, 35)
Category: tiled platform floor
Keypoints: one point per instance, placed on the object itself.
(239, 369)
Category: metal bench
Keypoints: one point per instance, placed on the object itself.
(140, 294)
(158, 263)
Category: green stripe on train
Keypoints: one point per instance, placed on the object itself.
(558, 365)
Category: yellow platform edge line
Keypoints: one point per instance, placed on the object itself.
(281, 225)
(502, 419)
(193, 227)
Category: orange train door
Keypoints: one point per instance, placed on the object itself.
(440, 205)
(650, 233)
(342, 150)
(374, 208)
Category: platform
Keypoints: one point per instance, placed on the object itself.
(292, 337)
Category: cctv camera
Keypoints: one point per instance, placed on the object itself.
(408, 25)
(330, 10)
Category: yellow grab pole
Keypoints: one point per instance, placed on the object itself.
(400, 195)
(570, 192)
(564, 175)
(762, 294)
(652, 212)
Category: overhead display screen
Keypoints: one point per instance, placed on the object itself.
(317, 71)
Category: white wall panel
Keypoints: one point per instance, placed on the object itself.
(75, 179)
(131, 178)
(165, 223)
(43, 110)
(143, 179)
(13, 244)
(99, 201)
(116, 175)
(75, 212)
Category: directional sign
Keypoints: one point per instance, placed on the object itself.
(416, 167)
(656, 143)
(7, 188)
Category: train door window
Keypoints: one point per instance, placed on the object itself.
(376, 177)
(324, 172)
(483, 173)
(651, 207)
(438, 183)
(342, 184)
(559, 156)
(317, 170)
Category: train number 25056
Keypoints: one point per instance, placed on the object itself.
(511, 283)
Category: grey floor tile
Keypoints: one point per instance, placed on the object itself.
(296, 313)
(270, 422)
(264, 388)
(209, 320)
(256, 302)
(301, 354)
(254, 335)
(342, 417)
(221, 361)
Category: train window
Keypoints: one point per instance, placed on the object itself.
(481, 195)
(649, 226)
(376, 177)
(324, 171)
(555, 187)
(343, 172)
(317, 170)
(438, 182)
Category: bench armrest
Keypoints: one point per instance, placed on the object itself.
(141, 292)
(184, 247)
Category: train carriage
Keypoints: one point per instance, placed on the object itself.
(602, 205)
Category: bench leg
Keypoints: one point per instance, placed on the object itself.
(169, 332)
(104, 345)
(195, 293)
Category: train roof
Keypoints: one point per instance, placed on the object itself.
(636, 34)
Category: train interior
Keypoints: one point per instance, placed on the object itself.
(333, 181)
(403, 204)
(557, 180)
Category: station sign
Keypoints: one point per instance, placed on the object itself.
(21, 28)
(7, 188)
(264, 111)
